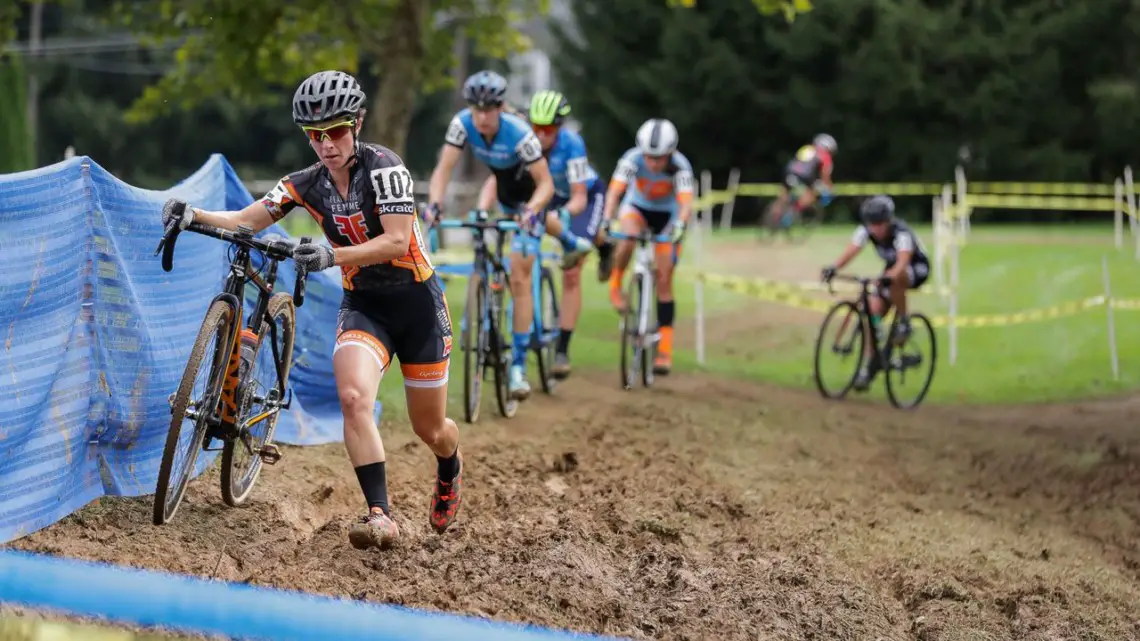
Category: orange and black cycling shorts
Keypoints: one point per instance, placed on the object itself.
(409, 321)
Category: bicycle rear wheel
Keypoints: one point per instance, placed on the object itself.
(261, 398)
(548, 334)
(910, 357)
(770, 223)
(806, 222)
(214, 342)
(474, 342)
(849, 337)
(632, 340)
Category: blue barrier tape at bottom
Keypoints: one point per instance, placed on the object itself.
(149, 598)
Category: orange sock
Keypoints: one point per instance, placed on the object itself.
(665, 346)
(615, 278)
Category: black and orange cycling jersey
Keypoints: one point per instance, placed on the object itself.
(391, 309)
(379, 184)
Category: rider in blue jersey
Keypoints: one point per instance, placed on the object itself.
(524, 187)
(661, 199)
(579, 197)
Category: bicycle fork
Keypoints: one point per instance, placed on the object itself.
(642, 269)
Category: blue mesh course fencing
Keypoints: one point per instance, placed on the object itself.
(95, 335)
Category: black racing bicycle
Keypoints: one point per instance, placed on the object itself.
(235, 384)
(486, 349)
(899, 359)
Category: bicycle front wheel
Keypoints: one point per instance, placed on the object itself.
(193, 405)
(843, 334)
(262, 393)
(633, 361)
(918, 356)
(548, 333)
(499, 354)
(474, 342)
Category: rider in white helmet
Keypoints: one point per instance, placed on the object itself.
(656, 181)
(810, 168)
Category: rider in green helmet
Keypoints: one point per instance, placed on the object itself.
(579, 197)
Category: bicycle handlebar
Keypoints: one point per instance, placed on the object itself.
(500, 224)
(643, 237)
(275, 249)
(863, 281)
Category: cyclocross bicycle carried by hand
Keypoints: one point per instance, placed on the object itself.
(895, 354)
(245, 382)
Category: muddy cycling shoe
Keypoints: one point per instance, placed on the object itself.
(375, 530)
(571, 256)
(518, 385)
(865, 376)
(445, 501)
(605, 261)
(663, 364)
(561, 368)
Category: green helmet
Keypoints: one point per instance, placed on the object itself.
(548, 108)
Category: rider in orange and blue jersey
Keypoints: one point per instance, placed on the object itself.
(661, 199)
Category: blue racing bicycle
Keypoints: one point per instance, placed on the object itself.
(484, 324)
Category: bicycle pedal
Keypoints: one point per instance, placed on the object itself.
(269, 454)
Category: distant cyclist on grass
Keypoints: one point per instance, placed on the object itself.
(524, 187)
(810, 168)
(361, 195)
(907, 267)
(579, 197)
(654, 184)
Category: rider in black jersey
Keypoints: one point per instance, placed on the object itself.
(907, 267)
(362, 197)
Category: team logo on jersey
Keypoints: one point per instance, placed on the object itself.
(352, 226)
(447, 346)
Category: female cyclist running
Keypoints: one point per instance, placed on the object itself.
(361, 195)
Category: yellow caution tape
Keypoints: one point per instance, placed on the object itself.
(1069, 203)
(974, 189)
(757, 283)
(766, 291)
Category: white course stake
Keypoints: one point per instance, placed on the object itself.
(1111, 324)
(1118, 212)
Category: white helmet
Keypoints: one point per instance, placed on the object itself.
(657, 137)
(825, 141)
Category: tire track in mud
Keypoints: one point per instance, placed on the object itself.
(703, 508)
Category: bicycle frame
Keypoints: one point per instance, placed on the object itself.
(222, 419)
(485, 262)
(539, 338)
(645, 264)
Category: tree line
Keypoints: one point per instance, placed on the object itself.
(1023, 90)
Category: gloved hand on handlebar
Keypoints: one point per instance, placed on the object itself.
(178, 210)
(828, 273)
(531, 222)
(313, 257)
(676, 230)
(431, 214)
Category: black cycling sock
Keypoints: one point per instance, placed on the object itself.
(605, 249)
(665, 312)
(447, 468)
(374, 484)
(564, 340)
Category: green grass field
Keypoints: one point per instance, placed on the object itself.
(1004, 269)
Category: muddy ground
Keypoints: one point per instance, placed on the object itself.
(704, 508)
